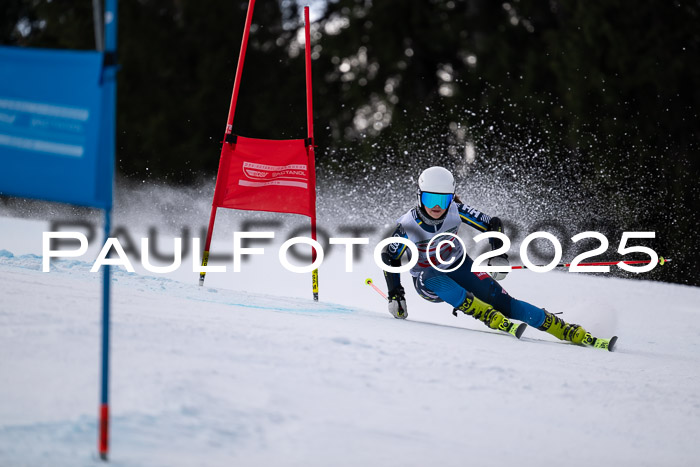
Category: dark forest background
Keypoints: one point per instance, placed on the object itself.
(599, 95)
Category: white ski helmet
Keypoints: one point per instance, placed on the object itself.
(437, 180)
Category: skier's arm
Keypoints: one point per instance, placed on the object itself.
(391, 256)
(482, 222)
(473, 217)
(486, 223)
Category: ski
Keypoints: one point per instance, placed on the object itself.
(512, 328)
(517, 330)
(599, 343)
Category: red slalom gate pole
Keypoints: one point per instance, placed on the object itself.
(662, 261)
(223, 160)
(310, 147)
(239, 68)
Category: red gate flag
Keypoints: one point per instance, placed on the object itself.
(265, 175)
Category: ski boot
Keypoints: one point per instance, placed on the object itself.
(562, 330)
(488, 315)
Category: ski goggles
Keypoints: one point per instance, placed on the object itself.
(430, 200)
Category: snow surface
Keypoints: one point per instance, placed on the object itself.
(249, 371)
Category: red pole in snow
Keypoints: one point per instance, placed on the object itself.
(310, 147)
(224, 159)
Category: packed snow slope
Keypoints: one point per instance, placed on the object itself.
(249, 371)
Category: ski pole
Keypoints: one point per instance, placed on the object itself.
(662, 261)
(379, 291)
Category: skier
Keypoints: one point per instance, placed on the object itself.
(475, 294)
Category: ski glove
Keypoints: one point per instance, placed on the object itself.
(397, 303)
(499, 261)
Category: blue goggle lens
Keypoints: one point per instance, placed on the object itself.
(430, 200)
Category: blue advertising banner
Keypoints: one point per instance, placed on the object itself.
(56, 117)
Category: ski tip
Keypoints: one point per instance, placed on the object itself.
(520, 330)
(611, 344)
